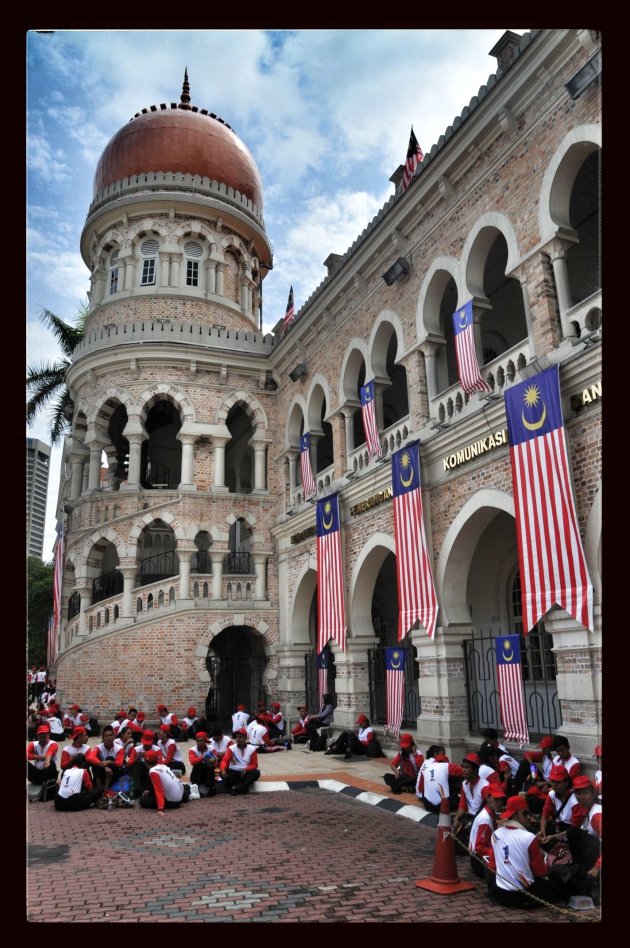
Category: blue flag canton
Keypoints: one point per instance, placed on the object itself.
(533, 408)
(406, 469)
(394, 659)
(367, 393)
(508, 649)
(462, 318)
(322, 659)
(305, 442)
(327, 515)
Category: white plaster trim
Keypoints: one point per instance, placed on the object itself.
(581, 135)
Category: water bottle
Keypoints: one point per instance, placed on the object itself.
(110, 804)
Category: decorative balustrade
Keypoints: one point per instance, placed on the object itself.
(587, 315)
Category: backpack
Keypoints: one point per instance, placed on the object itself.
(318, 742)
(374, 749)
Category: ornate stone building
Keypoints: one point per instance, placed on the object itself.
(190, 576)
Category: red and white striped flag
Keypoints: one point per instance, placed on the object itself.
(414, 157)
(510, 686)
(58, 580)
(416, 592)
(290, 313)
(395, 688)
(467, 362)
(369, 421)
(331, 614)
(551, 558)
(308, 481)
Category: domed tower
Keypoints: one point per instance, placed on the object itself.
(167, 546)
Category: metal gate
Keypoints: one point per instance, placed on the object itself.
(539, 682)
(234, 679)
(310, 679)
(378, 690)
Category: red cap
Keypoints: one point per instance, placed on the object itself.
(241, 730)
(147, 738)
(558, 773)
(78, 732)
(362, 719)
(536, 792)
(491, 790)
(121, 714)
(473, 759)
(240, 707)
(192, 711)
(43, 729)
(166, 728)
(581, 782)
(276, 705)
(162, 707)
(201, 736)
(546, 742)
(151, 757)
(75, 707)
(406, 740)
(514, 804)
(141, 715)
(598, 751)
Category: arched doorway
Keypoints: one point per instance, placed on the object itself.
(236, 663)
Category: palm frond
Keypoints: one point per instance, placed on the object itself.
(66, 334)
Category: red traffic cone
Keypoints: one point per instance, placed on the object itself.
(444, 880)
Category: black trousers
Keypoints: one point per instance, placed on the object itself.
(42, 775)
(149, 802)
(585, 848)
(540, 887)
(400, 784)
(202, 774)
(240, 780)
(348, 741)
(78, 801)
(99, 776)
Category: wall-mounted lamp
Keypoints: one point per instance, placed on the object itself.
(298, 372)
(584, 76)
(398, 269)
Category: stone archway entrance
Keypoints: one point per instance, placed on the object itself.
(236, 663)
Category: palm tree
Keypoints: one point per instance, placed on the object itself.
(46, 382)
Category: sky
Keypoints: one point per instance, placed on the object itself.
(326, 114)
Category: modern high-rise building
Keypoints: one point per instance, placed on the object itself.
(190, 571)
(37, 470)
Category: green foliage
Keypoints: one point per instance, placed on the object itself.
(40, 606)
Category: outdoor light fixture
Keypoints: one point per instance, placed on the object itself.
(584, 76)
(298, 372)
(398, 269)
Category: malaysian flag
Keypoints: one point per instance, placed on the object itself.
(288, 316)
(510, 684)
(467, 363)
(308, 481)
(416, 592)
(331, 616)
(414, 157)
(395, 685)
(322, 672)
(550, 553)
(58, 578)
(369, 420)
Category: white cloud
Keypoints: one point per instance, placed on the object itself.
(50, 164)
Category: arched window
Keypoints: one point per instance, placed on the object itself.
(193, 253)
(149, 251)
(113, 272)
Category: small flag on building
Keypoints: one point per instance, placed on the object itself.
(58, 579)
(288, 316)
(416, 593)
(322, 672)
(550, 554)
(414, 157)
(510, 687)
(395, 687)
(369, 421)
(308, 481)
(331, 615)
(467, 362)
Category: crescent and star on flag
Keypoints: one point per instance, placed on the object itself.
(405, 462)
(327, 510)
(395, 661)
(508, 653)
(531, 397)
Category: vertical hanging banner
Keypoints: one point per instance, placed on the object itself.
(416, 592)
(322, 672)
(331, 615)
(510, 686)
(308, 481)
(57, 588)
(550, 553)
(369, 421)
(465, 351)
(395, 688)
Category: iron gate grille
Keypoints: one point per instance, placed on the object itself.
(310, 678)
(234, 679)
(378, 691)
(539, 682)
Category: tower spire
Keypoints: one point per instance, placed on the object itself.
(185, 96)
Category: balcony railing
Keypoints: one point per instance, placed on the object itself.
(201, 562)
(237, 564)
(155, 568)
(109, 584)
(74, 605)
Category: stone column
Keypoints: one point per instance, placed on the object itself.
(165, 265)
(260, 562)
(188, 442)
(174, 278)
(98, 286)
(94, 477)
(521, 275)
(129, 584)
(292, 455)
(130, 273)
(417, 367)
(218, 445)
(379, 386)
(76, 483)
(557, 250)
(442, 686)
(211, 277)
(479, 308)
(135, 449)
(244, 298)
(220, 272)
(85, 591)
(185, 557)
(353, 678)
(217, 574)
(340, 457)
(260, 465)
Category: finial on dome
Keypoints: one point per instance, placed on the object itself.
(185, 96)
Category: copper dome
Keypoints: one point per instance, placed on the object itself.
(180, 138)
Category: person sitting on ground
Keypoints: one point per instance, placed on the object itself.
(83, 720)
(171, 754)
(564, 757)
(483, 826)
(78, 745)
(491, 736)
(75, 791)
(219, 743)
(55, 724)
(240, 718)
(126, 756)
(321, 718)
(130, 722)
(597, 779)
(121, 718)
(102, 760)
(41, 756)
(406, 766)
(585, 841)
(438, 777)
(190, 725)
(239, 767)
(535, 766)
(492, 769)
(136, 762)
(517, 860)
(203, 761)
(258, 736)
(167, 717)
(561, 809)
(165, 791)
(299, 733)
(470, 801)
(277, 724)
(363, 742)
